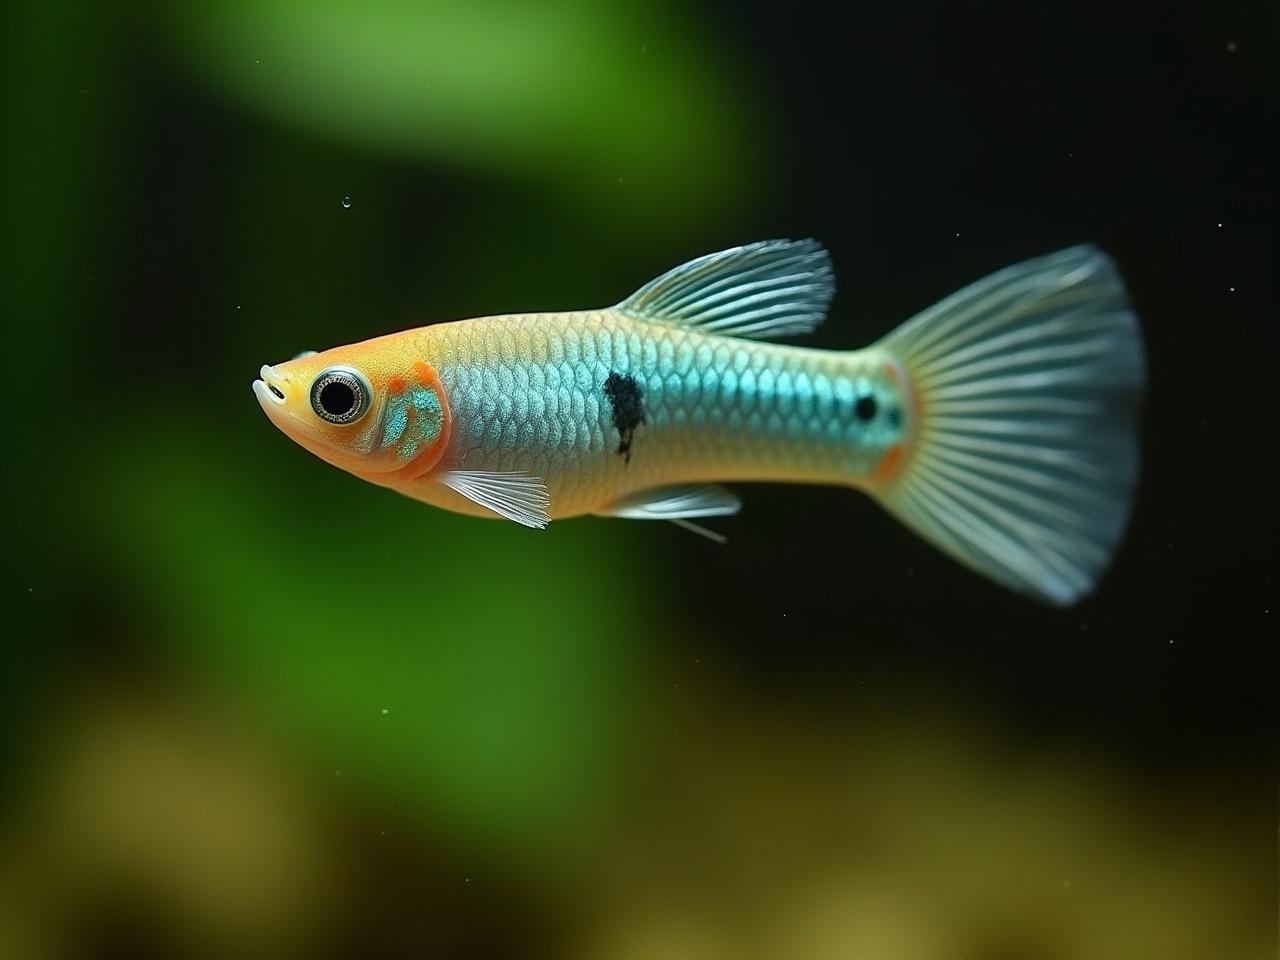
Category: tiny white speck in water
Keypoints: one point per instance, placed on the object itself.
(346, 203)
(1231, 46)
(1231, 289)
(385, 711)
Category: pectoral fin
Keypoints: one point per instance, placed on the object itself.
(515, 496)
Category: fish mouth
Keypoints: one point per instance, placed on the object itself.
(269, 389)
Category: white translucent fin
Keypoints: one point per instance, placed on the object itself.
(774, 288)
(676, 503)
(679, 504)
(516, 496)
(701, 531)
(1026, 455)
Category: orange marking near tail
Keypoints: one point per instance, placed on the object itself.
(423, 371)
(894, 375)
(892, 458)
(396, 385)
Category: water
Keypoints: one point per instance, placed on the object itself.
(821, 738)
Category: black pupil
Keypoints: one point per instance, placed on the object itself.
(865, 408)
(337, 398)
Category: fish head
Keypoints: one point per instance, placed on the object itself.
(369, 409)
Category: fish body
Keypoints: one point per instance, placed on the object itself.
(601, 407)
(998, 424)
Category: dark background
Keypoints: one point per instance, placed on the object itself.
(932, 144)
(173, 218)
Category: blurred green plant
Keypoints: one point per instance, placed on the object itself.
(504, 661)
(476, 670)
(584, 98)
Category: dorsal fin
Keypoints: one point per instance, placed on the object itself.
(774, 288)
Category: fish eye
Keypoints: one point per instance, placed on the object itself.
(340, 395)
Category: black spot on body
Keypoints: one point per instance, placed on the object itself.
(627, 400)
(865, 408)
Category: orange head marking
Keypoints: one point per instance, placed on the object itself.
(367, 409)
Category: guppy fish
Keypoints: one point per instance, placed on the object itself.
(999, 424)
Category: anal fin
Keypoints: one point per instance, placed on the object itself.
(678, 504)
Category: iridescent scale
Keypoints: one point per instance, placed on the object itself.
(602, 406)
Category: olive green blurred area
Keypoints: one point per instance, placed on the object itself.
(254, 707)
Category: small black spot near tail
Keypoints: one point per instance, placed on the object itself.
(627, 400)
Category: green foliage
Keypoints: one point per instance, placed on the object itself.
(583, 98)
(164, 243)
(475, 667)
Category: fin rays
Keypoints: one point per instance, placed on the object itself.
(768, 289)
(515, 496)
(679, 504)
(676, 503)
(1025, 456)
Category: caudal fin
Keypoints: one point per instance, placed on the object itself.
(1025, 455)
